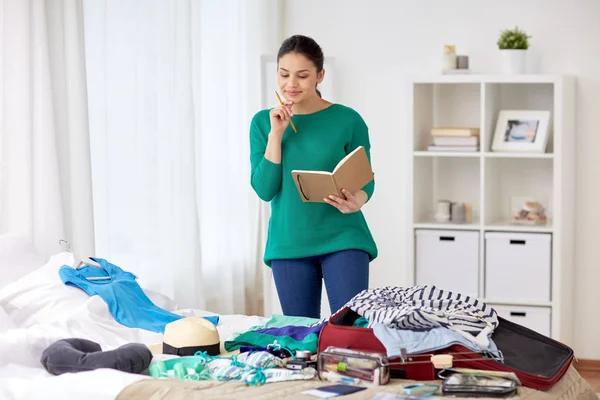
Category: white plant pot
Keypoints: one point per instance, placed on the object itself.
(514, 61)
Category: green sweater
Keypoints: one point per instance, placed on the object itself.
(298, 229)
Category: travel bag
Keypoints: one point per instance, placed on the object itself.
(339, 332)
(538, 361)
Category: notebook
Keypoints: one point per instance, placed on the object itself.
(326, 392)
(352, 173)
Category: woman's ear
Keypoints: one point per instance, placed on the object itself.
(320, 76)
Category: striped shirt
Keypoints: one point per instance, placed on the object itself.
(423, 308)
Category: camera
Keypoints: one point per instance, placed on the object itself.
(301, 361)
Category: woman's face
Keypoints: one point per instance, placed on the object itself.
(297, 77)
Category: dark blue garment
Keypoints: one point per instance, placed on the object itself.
(298, 281)
(298, 333)
(126, 300)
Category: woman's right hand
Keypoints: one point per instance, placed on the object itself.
(280, 117)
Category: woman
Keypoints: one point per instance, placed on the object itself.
(310, 242)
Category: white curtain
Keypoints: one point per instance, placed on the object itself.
(45, 179)
(172, 86)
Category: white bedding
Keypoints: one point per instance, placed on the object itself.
(38, 309)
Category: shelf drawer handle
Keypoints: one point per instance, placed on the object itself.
(518, 314)
(447, 238)
(515, 241)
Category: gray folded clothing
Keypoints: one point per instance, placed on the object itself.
(77, 355)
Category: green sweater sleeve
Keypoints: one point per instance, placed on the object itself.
(360, 137)
(265, 175)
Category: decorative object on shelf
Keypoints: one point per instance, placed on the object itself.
(443, 211)
(452, 211)
(513, 45)
(453, 63)
(457, 212)
(527, 211)
(522, 131)
(449, 58)
(454, 139)
(468, 213)
(462, 62)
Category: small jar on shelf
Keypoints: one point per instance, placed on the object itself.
(452, 211)
(449, 57)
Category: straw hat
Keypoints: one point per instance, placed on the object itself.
(186, 336)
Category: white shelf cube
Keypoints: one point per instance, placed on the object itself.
(448, 260)
(518, 266)
(542, 277)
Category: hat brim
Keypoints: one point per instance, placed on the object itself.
(166, 349)
(157, 349)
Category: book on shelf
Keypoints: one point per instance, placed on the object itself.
(433, 147)
(456, 140)
(352, 173)
(455, 131)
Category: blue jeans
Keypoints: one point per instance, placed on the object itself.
(298, 281)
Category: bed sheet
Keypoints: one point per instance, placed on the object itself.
(38, 309)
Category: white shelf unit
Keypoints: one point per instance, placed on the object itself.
(525, 272)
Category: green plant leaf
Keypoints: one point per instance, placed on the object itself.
(513, 39)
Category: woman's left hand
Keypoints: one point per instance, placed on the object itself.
(351, 204)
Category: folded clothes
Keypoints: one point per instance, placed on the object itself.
(423, 307)
(274, 350)
(278, 321)
(418, 342)
(253, 369)
(78, 355)
(301, 334)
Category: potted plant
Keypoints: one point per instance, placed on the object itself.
(513, 45)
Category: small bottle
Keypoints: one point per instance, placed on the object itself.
(443, 211)
(449, 58)
(457, 212)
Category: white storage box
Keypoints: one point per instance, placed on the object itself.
(448, 259)
(534, 318)
(518, 267)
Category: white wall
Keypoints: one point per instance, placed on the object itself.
(376, 44)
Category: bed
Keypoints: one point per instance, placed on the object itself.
(36, 309)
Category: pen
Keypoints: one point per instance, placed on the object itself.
(291, 123)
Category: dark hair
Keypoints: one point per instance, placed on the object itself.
(307, 47)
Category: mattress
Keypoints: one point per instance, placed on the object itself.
(570, 387)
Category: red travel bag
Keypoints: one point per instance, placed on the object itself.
(538, 361)
(339, 332)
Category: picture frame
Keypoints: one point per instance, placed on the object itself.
(521, 131)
